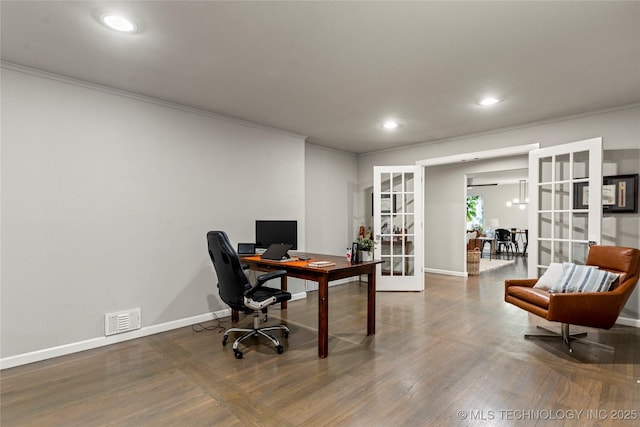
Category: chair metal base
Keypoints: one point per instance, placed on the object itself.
(256, 330)
(567, 337)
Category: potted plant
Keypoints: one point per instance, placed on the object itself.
(366, 247)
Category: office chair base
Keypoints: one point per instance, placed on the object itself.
(253, 332)
(567, 337)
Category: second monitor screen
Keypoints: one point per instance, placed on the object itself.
(276, 231)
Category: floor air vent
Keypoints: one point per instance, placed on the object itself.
(124, 321)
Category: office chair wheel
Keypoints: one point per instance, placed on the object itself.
(238, 354)
(224, 340)
(280, 349)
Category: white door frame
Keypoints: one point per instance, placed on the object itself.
(468, 157)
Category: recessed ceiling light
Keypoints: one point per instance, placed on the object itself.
(390, 124)
(489, 101)
(119, 23)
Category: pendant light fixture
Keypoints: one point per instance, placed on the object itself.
(523, 196)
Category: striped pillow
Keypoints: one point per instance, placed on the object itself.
(550, 277)
(583, 278)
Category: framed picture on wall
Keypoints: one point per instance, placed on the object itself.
(619, 194)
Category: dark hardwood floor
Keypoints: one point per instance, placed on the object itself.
(452, 355)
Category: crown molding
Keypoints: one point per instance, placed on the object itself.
(143, 98)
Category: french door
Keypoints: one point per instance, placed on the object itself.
(397, 227)
(565, 210)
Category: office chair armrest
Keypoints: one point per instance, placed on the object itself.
(260, 280)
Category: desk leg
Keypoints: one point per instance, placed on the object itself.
(371, 302)
(283, 286)
(235, 315)
(323, 318)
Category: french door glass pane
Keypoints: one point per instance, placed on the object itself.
(386, 266)
(544, 225)
(397, 266)
(409, 265)
(397, 182)
(385, 203)
(579, 254)
(408, 203)
(562, 226)
(545, 197)
(408, 182)
(397, 225)
(562, 196)
(581, 165)
(563, 168)
(410, 228)
(385, 183)
(562, 252)
(545, 169)
(580, 227)
(409, 246)
(398, 201)
(544, 252)
(386, 229)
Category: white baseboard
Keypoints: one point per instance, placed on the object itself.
(299, 295)
(626, 321)
(63, 350)
(446, 272)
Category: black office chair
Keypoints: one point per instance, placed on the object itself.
(236, 291)
(503, 240)
(514, 239)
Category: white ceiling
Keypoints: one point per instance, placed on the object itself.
(332, 71)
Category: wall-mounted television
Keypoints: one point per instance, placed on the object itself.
(276, 231)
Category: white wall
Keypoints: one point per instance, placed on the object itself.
(331, 199)
(623, 229)
(106, 201)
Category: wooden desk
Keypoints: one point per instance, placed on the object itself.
(342, 269)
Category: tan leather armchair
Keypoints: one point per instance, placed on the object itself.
(592, 309)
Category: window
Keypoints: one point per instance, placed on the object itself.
(475, 212)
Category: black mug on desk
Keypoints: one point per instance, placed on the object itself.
(355, 256)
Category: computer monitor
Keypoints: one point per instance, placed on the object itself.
(276, 231)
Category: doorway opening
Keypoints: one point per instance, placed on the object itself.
(498, 226)
(457, 169)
